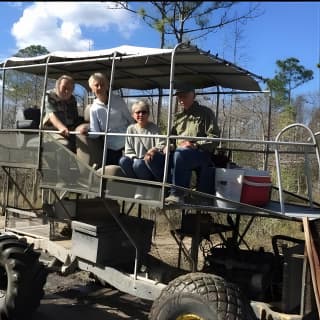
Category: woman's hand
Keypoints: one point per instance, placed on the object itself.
(188, 144)
(149, 155)
(83, 128)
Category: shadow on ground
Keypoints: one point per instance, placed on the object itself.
(65, 299)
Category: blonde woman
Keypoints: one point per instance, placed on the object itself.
(136, 148)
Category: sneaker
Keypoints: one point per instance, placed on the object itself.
(173, 199)
(139, 192)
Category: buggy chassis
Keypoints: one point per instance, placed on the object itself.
(112, 244)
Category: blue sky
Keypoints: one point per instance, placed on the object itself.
(286, 29)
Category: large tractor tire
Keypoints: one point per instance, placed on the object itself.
(22, 278)
(201, 296)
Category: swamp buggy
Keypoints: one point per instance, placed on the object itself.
(62, 204)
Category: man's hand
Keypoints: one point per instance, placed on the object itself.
(64, 131)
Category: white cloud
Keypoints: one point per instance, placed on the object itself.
(60, 25)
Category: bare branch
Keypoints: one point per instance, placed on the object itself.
(191, 19)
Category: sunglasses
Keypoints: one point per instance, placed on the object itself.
(141, 111)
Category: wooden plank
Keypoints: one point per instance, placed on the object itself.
(313, 261)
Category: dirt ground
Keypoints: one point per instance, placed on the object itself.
(79, 296)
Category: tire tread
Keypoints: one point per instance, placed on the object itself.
(224, 296)
(26, 277)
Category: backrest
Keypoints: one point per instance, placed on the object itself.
(90, 151)
(33, 114)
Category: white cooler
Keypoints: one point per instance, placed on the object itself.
(228, 184)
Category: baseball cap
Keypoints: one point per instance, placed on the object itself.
(185, 87)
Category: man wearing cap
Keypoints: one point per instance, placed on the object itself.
(190, 154)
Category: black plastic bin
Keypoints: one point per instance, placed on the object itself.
(104, 242)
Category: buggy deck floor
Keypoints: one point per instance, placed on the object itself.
(273, 208)
(38, 231)
(294, 210)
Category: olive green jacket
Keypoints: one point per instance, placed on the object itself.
(197, 121)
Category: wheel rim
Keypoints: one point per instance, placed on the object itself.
(189, 317)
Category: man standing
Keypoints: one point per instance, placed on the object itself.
(192, 154)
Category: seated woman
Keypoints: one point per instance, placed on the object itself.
(136, 148)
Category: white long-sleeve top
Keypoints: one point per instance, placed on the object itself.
(119, 120)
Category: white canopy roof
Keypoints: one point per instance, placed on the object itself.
(141, 67)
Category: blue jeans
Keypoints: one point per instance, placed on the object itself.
(156, 166)
(135, 168)
(151, 170)
(185, 160)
